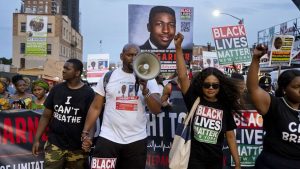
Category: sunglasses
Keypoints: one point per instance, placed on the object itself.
(209, 85)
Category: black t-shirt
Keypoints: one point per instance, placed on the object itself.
(282, 126)
(210, 122)
(70, 107)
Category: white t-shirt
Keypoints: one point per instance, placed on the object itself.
(124, 118)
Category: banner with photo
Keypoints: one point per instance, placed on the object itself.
(281, 51)
(97, 66)
(231, 44)
(153, 28)
(210, 59)
(36, 30)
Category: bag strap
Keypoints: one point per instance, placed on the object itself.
(106, 79)
(192, 111)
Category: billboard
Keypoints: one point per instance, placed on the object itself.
(290, 27)
(153, 28)
(97, 66)
(36, 30)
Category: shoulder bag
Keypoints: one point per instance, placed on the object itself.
(180, 151)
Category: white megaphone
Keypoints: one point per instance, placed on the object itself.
(146, 66)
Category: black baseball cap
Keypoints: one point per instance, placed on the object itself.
(265, 81)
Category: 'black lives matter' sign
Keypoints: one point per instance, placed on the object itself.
(231, 44)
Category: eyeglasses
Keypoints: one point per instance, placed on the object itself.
(209, 85)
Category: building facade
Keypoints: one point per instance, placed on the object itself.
(50, 7)
(70, 8)
(62, 42)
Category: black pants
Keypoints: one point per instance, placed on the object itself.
(271, 161)
(198, 163)
(119, 156)
(204, 165)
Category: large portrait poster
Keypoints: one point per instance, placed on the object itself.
(36, 30)
(97, 66)
(231, 44)
(153, 28)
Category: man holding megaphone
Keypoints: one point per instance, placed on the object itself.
(122, 142)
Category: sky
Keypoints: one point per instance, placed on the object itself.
(107, 21)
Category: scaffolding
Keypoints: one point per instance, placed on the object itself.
(290, 27)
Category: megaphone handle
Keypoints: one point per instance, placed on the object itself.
(137, 85)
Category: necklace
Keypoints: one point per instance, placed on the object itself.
(298, 111)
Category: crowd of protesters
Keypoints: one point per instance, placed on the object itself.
(216, 90)
(20, 93)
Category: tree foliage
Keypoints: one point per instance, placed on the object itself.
(5, 61)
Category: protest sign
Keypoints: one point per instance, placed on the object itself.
(158, 38)
(281, 51)
(231, 44)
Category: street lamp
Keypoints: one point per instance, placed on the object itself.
(217, 13)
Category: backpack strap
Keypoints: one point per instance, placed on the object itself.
(105, 82)
(106, 79)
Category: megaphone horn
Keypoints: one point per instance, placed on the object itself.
(146, 66)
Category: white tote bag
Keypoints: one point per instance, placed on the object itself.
(180, 151)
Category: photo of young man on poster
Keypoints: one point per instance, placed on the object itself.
(153, 28)
(162, 28)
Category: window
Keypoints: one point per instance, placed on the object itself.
(41, 9)
(49, 46)
(22, 48)
(23, 26)
(22, 63)
(49, 28)
(34, 9)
